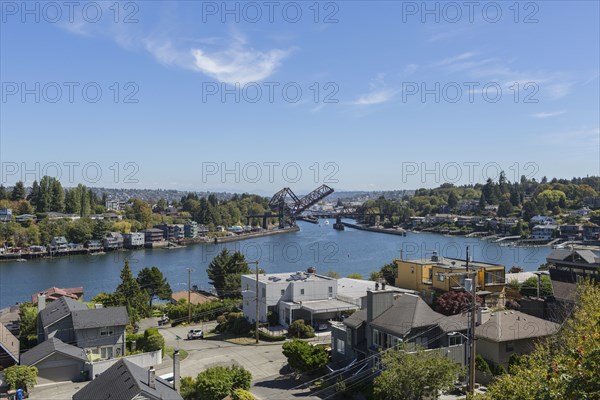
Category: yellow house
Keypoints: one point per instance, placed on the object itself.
(430, 275)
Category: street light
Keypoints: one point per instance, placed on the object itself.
(189, 270)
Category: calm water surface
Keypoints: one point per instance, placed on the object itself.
(320, 246)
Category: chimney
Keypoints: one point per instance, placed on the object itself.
(376, 286)
(152, 378)
(378, 302)
(41, 302)
(176, 371)
(382, 285)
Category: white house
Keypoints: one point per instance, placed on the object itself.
(543, 220)
(299, 295)
(543, 232)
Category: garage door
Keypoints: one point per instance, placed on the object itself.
(59, 374)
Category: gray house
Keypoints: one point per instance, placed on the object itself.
(390, 319)
(56, 361)
(100, 332)
(126, 381)
(9, 348)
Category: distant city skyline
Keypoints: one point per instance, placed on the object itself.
(358, 95)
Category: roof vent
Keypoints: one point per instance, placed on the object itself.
(434, 257)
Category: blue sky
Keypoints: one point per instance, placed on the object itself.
(369, 115)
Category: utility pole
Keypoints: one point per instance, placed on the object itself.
(472, 279)
(472, 329)
(255, 299)
(189, 270)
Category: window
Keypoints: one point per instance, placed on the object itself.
(106, 352)
(340, 346)
(282, 292)
(421, 341)
(330, 290)
(107, 331)
(375, 337)
(441, 276)
(510, 346)
(264, 292)
(455, 340)
(301, 291)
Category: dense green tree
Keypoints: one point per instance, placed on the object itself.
(154, 283)
(225, 271)
(452, 200)
(21, 377)
(3, 193)
(303, 357)
(18, 192)
(414, 376)
(216, 383)
(505, 208)
(129, 294)
(529, 287)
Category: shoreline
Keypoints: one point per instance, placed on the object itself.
(11, 257)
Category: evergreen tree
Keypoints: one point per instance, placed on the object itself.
(3, 193)
(18, 192)
(452, 200)
(130, 294)
(34, 195)
(58, 197)
(154, 283)
(225, 271)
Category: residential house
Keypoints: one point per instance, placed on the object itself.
(134, 240)
(56, 215)
(571, 232)
(591, 233)
(437, 219)
(428, 276)
(113, 241)
(100, 332)
(582, 212)
(510, 332)
(542, 220)
(567, 268)
(592, 202)
(95, 245)
(543, 232)
(5, 214)
(25, 217)
(59, 243)
(190, 229)
(56, 361)
(54, 293)
(153, 235)
(114, 205)
(171, 231)
(390, 319)
(9, 348)
(127, 381)
(292, 296)
(417, 222)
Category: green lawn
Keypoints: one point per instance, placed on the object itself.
(182, 353)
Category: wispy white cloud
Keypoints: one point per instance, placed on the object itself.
(411, 68)
(377, 97)
(379, 92)
(544, 114)
(454, 59)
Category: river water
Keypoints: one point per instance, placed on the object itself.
(314, 245)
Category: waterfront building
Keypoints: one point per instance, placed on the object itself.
(134, 240)
(113, 241)
(543, 232)
(428, 276)
(5, 214)
(190, 229)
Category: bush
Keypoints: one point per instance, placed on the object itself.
(303, 357)
(270, 338)
(299, 329)
(241, 394)
(138, 338)
(20, 376)
(154, 343)
(482, 365)
(216, 383)
(499, 370)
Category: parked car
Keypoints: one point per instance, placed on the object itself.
(195, 334)
(163, 320)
